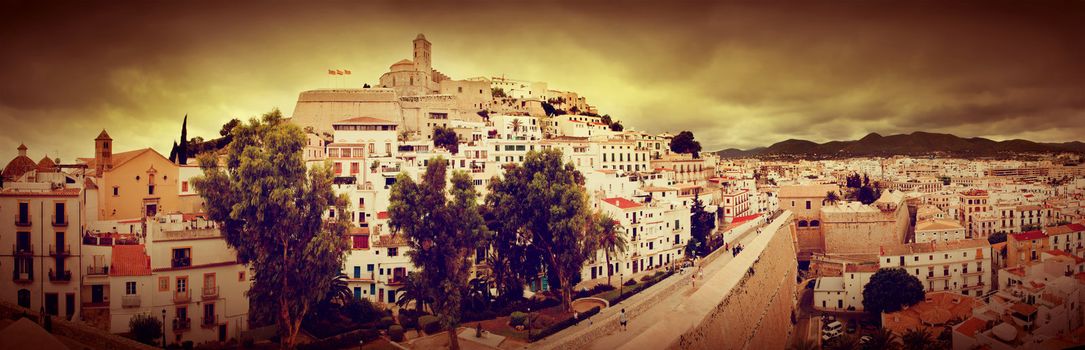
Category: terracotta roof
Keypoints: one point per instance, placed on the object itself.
(103, 136)
(130, 260)
(741, 219)
(1056, 252)
(861, 268)
(18, 166)
(364, 120)
(1024, 309)
(120, 158)
(937, 224)
(1030, 235)
(974, 193)
(359, 231)
(622, 203)
(806, 191)
(46, 165)
(382, 215)
(65, 192)
(971, 326)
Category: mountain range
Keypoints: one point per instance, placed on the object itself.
(916, 143)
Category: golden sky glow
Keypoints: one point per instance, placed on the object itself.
(738, 75)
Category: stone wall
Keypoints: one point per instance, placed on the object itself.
(755, 313)
(84, 334)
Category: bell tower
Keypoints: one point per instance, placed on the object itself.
(422, 54)
(103, 153)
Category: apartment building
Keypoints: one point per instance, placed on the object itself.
(959, 266)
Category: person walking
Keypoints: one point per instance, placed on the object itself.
(623, 320)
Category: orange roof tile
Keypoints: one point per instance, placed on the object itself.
(971, 326)
(622, 203)
(130, 260)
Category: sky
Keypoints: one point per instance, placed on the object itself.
(736, 74)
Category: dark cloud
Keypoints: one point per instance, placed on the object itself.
(739, 75)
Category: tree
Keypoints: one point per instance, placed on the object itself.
(414, 289)
(997, 237)
(447, 138)
(616, 126)
(882, 339)
(889, 290)
(831, 197)
(512, 259)
(339, 291)
(684, 143)
(516, 125)
(272, 211)
(804, 344)
(230, 125)
(443, 228)
(546, 203)
(145, 328)
(844, 342)
(182, 148)
(611, 239)
(918, 339)
(498, 92)
(701, 224)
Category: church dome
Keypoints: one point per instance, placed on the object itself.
(402, 65)
(18, 166)
(46, 165)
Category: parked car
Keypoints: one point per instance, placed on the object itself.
(851, 326)
(864, 339)
(831, 330)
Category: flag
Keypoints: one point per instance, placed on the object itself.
(338, 72)
(331, 72)
(347, 71)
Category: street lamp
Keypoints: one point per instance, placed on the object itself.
(621, 284)
(163, 328)
(529, 324)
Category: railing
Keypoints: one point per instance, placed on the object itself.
(97, 270)
(64, 250)
(364, 277)
(181, 262)
(130, 301)
(209, 322)
(62, 276)
(397, 281)
(943, 277)
(182, 297)
(189, 233)
(181, 323)
(211, 292)
(61, 220)
(23, 249)
(22, 276)
(21, 220)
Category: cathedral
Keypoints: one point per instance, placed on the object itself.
(414, 77)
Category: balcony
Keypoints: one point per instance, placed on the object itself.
(397, 281)
(62, 276)
(209, 322)
(23, 221)
(972, 273)
(22, 249)
(97, 270)
(22, 277)
(181, 323)
(130, 301)
(182, 297)
(63, 250)
(181, 262)
(211, 292)
(60, 221)
(936, 278)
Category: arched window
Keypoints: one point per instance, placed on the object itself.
(802, 223)
(24, 298)
(814, 223)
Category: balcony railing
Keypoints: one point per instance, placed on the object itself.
(22, 249)
(211, 292)
(130, 301)
(943, 277)
(182, 297)
(181, 262)
(397, 281)
(61, 220)
(62, 276)
(21, 220)
(181, 323)
(97, 270)
(63, 250)
(209, 322)
(22, 277)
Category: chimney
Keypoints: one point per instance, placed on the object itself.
(103, 153)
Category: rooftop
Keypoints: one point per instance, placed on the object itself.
(622, 203)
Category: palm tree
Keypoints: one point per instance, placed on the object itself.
(917, 339)
(413, 290)
(611, 241)
(339, 292)
(882, 339)
(831, 197)
(515, 125)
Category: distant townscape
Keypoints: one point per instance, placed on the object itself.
(496, 213)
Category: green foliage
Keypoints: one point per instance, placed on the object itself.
(543, 202)
(997, 237)
(882, 339)
(395, 332)
(271, 210)
(446, 138)
(386, 322)
(891, 289)
(518, 319)
(414, 289)
(145, 328)
(610, 237)
(701, 225)
(918, 339)
(563, 324)
(498, 92)
(362, 310)
(616, 126)
(443, 228)
(684, 143)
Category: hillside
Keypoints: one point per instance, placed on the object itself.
(916, 143)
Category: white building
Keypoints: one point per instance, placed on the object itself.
(960, 266)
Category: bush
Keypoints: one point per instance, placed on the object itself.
(395, 332)
(630, 282)
(563, 324)
(362, 311)
(145, 328)
(187, 345)
(646, 278)
(598, 288)
(429, 324)
(407, 321)
(518, 319)
(386, 322)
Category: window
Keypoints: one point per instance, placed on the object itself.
(241, 276)
(182, 284)
(807, 204)
(393, 251)
(163, 284)
(182, 257)
(150, 190)
(357, 272)
(130, 288)
(184, 186)
(116, 191)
